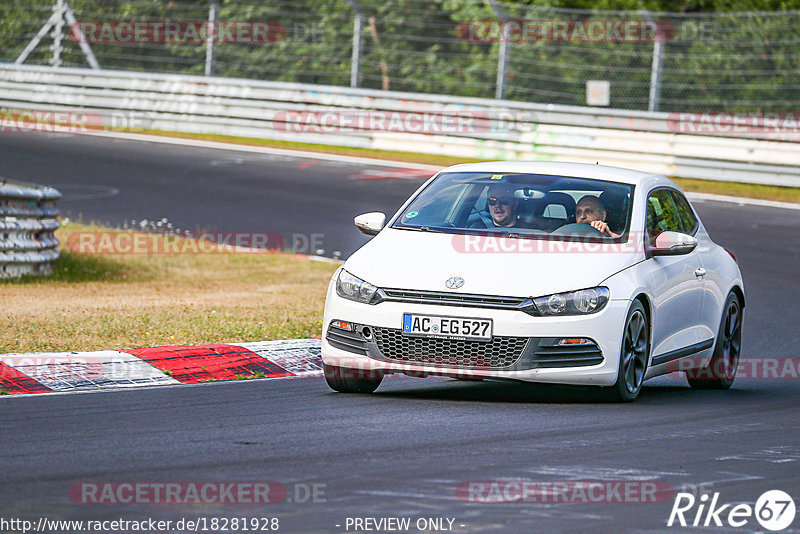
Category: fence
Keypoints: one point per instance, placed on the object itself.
(28, 220)
(469, 48)
(465, 127)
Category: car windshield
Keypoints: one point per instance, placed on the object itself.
(521, 205)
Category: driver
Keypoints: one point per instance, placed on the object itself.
(589, 210)
(502, 205)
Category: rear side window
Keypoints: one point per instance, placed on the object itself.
(555, 210)
(688, 220)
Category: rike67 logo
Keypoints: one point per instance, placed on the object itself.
(774, 510)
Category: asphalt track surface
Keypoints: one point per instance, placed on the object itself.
(403, 451)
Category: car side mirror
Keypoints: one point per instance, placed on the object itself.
(370, 223)
(673, 244)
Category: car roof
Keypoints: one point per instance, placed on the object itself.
(578, 170)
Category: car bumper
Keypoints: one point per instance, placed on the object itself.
(540, 335)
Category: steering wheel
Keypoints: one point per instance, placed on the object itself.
(578, 229)
(484, 224)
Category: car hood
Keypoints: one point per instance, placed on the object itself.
(406, 259)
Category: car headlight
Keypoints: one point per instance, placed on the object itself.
(581, 302)
(353, 288)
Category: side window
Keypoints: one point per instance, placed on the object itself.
(662, 215)
(556, 211)
(688, 220)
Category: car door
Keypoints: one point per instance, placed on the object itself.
(708, 251)
(676, 284)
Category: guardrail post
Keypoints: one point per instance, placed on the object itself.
(502, 67)
(502, 55)
(355, 65)
(61, 11)
(58, 33)
(655, 76)
(211, 36)
(51, 22)
(355, 68)
(655, 69)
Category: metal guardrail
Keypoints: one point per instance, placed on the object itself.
(28, 220)
(505, 129)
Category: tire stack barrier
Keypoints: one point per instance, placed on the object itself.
(28, 221)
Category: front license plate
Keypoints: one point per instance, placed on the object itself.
(463, 328)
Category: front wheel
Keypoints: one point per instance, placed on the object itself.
(721, 370)
(345, 380)
(633, 356)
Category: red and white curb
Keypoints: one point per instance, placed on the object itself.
(47, 372)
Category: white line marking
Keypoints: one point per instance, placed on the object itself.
(216, 145)
(579, 472)
(743, 201)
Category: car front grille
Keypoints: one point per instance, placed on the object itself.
(442, 298)
(500, 352)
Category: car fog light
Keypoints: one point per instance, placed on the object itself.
(574, 341)
(366, 332)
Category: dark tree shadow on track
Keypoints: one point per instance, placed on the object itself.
(531, 393)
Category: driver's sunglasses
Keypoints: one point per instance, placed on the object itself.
(505, 201)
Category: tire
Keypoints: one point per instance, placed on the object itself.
(345, 380)
(634, 356)
(721, 369)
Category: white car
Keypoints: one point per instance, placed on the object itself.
(455, 285)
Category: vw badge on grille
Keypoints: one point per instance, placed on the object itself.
(454, 282)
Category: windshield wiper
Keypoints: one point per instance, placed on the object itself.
(415, 228)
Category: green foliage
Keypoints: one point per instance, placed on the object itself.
(716, 57)
(80, 268)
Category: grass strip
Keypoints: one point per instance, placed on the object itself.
(119, 301)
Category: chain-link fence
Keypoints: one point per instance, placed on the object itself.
(480, 48)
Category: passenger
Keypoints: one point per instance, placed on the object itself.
(589, 210)
(502, 205)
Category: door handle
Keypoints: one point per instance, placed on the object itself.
(700, 273)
